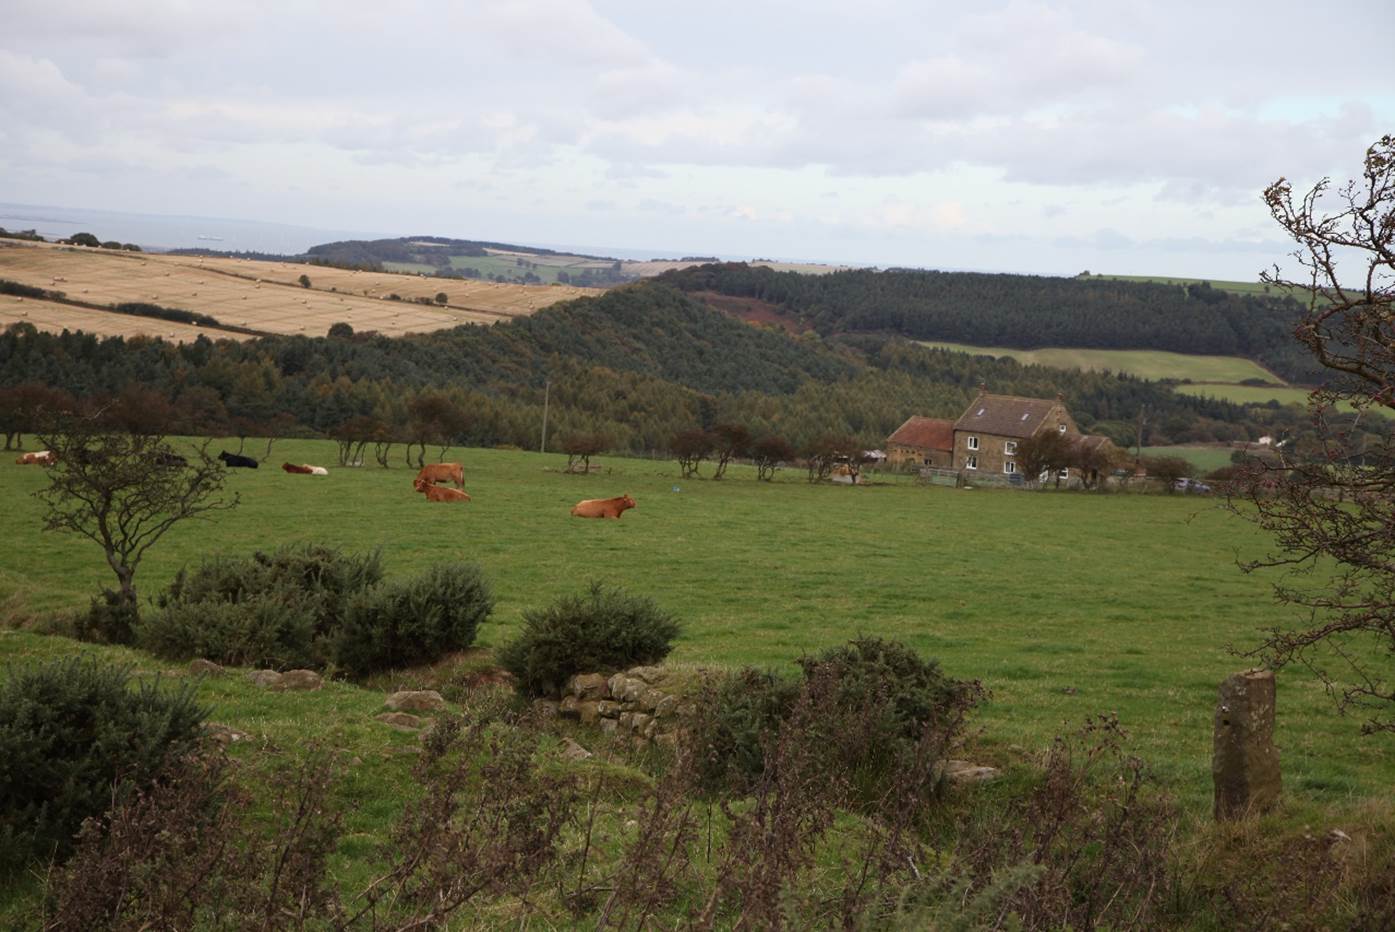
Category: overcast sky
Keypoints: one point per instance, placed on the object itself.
(1128, 136)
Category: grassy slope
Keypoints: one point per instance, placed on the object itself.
(1128, 600)
(1146, 364)
(1204, 457)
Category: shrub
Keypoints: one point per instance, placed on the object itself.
(74, 738)
(256, 632)
(109, 619)
(742, 713)
(403, 623)
(603, 631)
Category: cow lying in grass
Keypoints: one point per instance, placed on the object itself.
(602, 507)
(298, 470)
(41, 458)
(236, 460)
(436, 493)
(442, 472)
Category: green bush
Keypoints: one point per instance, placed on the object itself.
(74, 738)
(399, 624)
(313, 606)
(603, 631)
(742, 712)
(109, 619)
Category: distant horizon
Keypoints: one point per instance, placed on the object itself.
(12, 213)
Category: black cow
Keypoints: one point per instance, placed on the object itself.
(233, 460)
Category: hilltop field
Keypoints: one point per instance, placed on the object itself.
(260, 295)
(1064, 605)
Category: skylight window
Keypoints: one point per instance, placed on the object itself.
(1026, 414)
(980, 412)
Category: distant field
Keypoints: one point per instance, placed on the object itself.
(1252, 288)
(1146, 364)
(261, 295)
(660, 266)
(1205, 458)
(1063, 604)
(46, 315)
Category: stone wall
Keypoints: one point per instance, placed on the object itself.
(642, 704)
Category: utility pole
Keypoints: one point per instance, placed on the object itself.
(547, 393)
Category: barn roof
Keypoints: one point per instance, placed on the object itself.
(928, 433)
(1005, 415)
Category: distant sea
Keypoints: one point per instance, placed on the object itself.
(159, 232)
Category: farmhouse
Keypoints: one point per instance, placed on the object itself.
(987, 433)
(922, 441)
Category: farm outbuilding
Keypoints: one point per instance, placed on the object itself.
(922, 441)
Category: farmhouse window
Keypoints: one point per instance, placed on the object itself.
(1010, 448)
(1009, 466)
(972, 463)
(1065, 474)
(973, 443)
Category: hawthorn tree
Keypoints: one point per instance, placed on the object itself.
(125, 491)
(690, 448)
(1045, 453)
(1166, 469)
(580, 447)
(1332, 508)
(769, 453)
(729, 441)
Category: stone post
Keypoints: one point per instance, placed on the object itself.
(1244, 760)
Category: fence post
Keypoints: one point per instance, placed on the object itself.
(1244, 760)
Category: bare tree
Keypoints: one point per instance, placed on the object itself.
(769, 453)
(730, 441)
(124, 492)
(1333, 509)
(690, 448)
(580, 447)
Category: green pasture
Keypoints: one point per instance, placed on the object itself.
(1260, 395)
(1146, 364)
(1252, 288)
(545, 267)
(1204, 457)
(1063, 604)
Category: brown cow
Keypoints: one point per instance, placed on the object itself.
(443, 472)
(298, 470)
(603, 507)
(41, 458)
(435, 493)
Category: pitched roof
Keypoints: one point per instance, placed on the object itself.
(930, 433)
(1005, 415)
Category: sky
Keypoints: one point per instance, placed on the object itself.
(1122, 136)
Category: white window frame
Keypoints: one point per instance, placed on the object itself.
(1010, 466)
(972, 442)
(1010, 448)
(972, 463)
(1065, 473)
(1060, 428)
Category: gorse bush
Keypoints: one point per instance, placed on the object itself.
(109, 619)
(74, 737)
(314, 606)
(743, 711)
(603, 631)
(414, 621)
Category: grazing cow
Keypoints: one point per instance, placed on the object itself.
(41, 458)
(443, 472)
(435, 493)
(233, 460)
(602, 507)
(298, 470)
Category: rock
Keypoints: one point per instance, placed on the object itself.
(667, 739)
(401, 721)
(961, 771)
(687, 709)
(650, 727)
(569, 707)
(649, 698)
(545, 708)
(650, 675)
(666, 707)
(264, 678)
(614, 684)
(626, 721)
(298, 680)
(573, 751)
(630, 689)
(223, 734)
(1244, 760)
(1069, 690)
(589, 686)
(609, 709)
(608, 725)
(206, 667)
(588, 712)
(423, 700)
(639, 721)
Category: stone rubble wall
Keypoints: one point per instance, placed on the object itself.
(633, 704)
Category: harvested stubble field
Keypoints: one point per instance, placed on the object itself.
(1063, 604)
(263, 295)
(46, 315)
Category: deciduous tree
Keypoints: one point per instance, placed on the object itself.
(580, 447)
(1334, 509)
(770, 453)
(1045, 453)
(730, 441)
(690, 448)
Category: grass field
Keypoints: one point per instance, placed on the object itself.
(1146, 364)
(1204, 457)
(1253, 288)
(262, 295)
(1064, 605)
